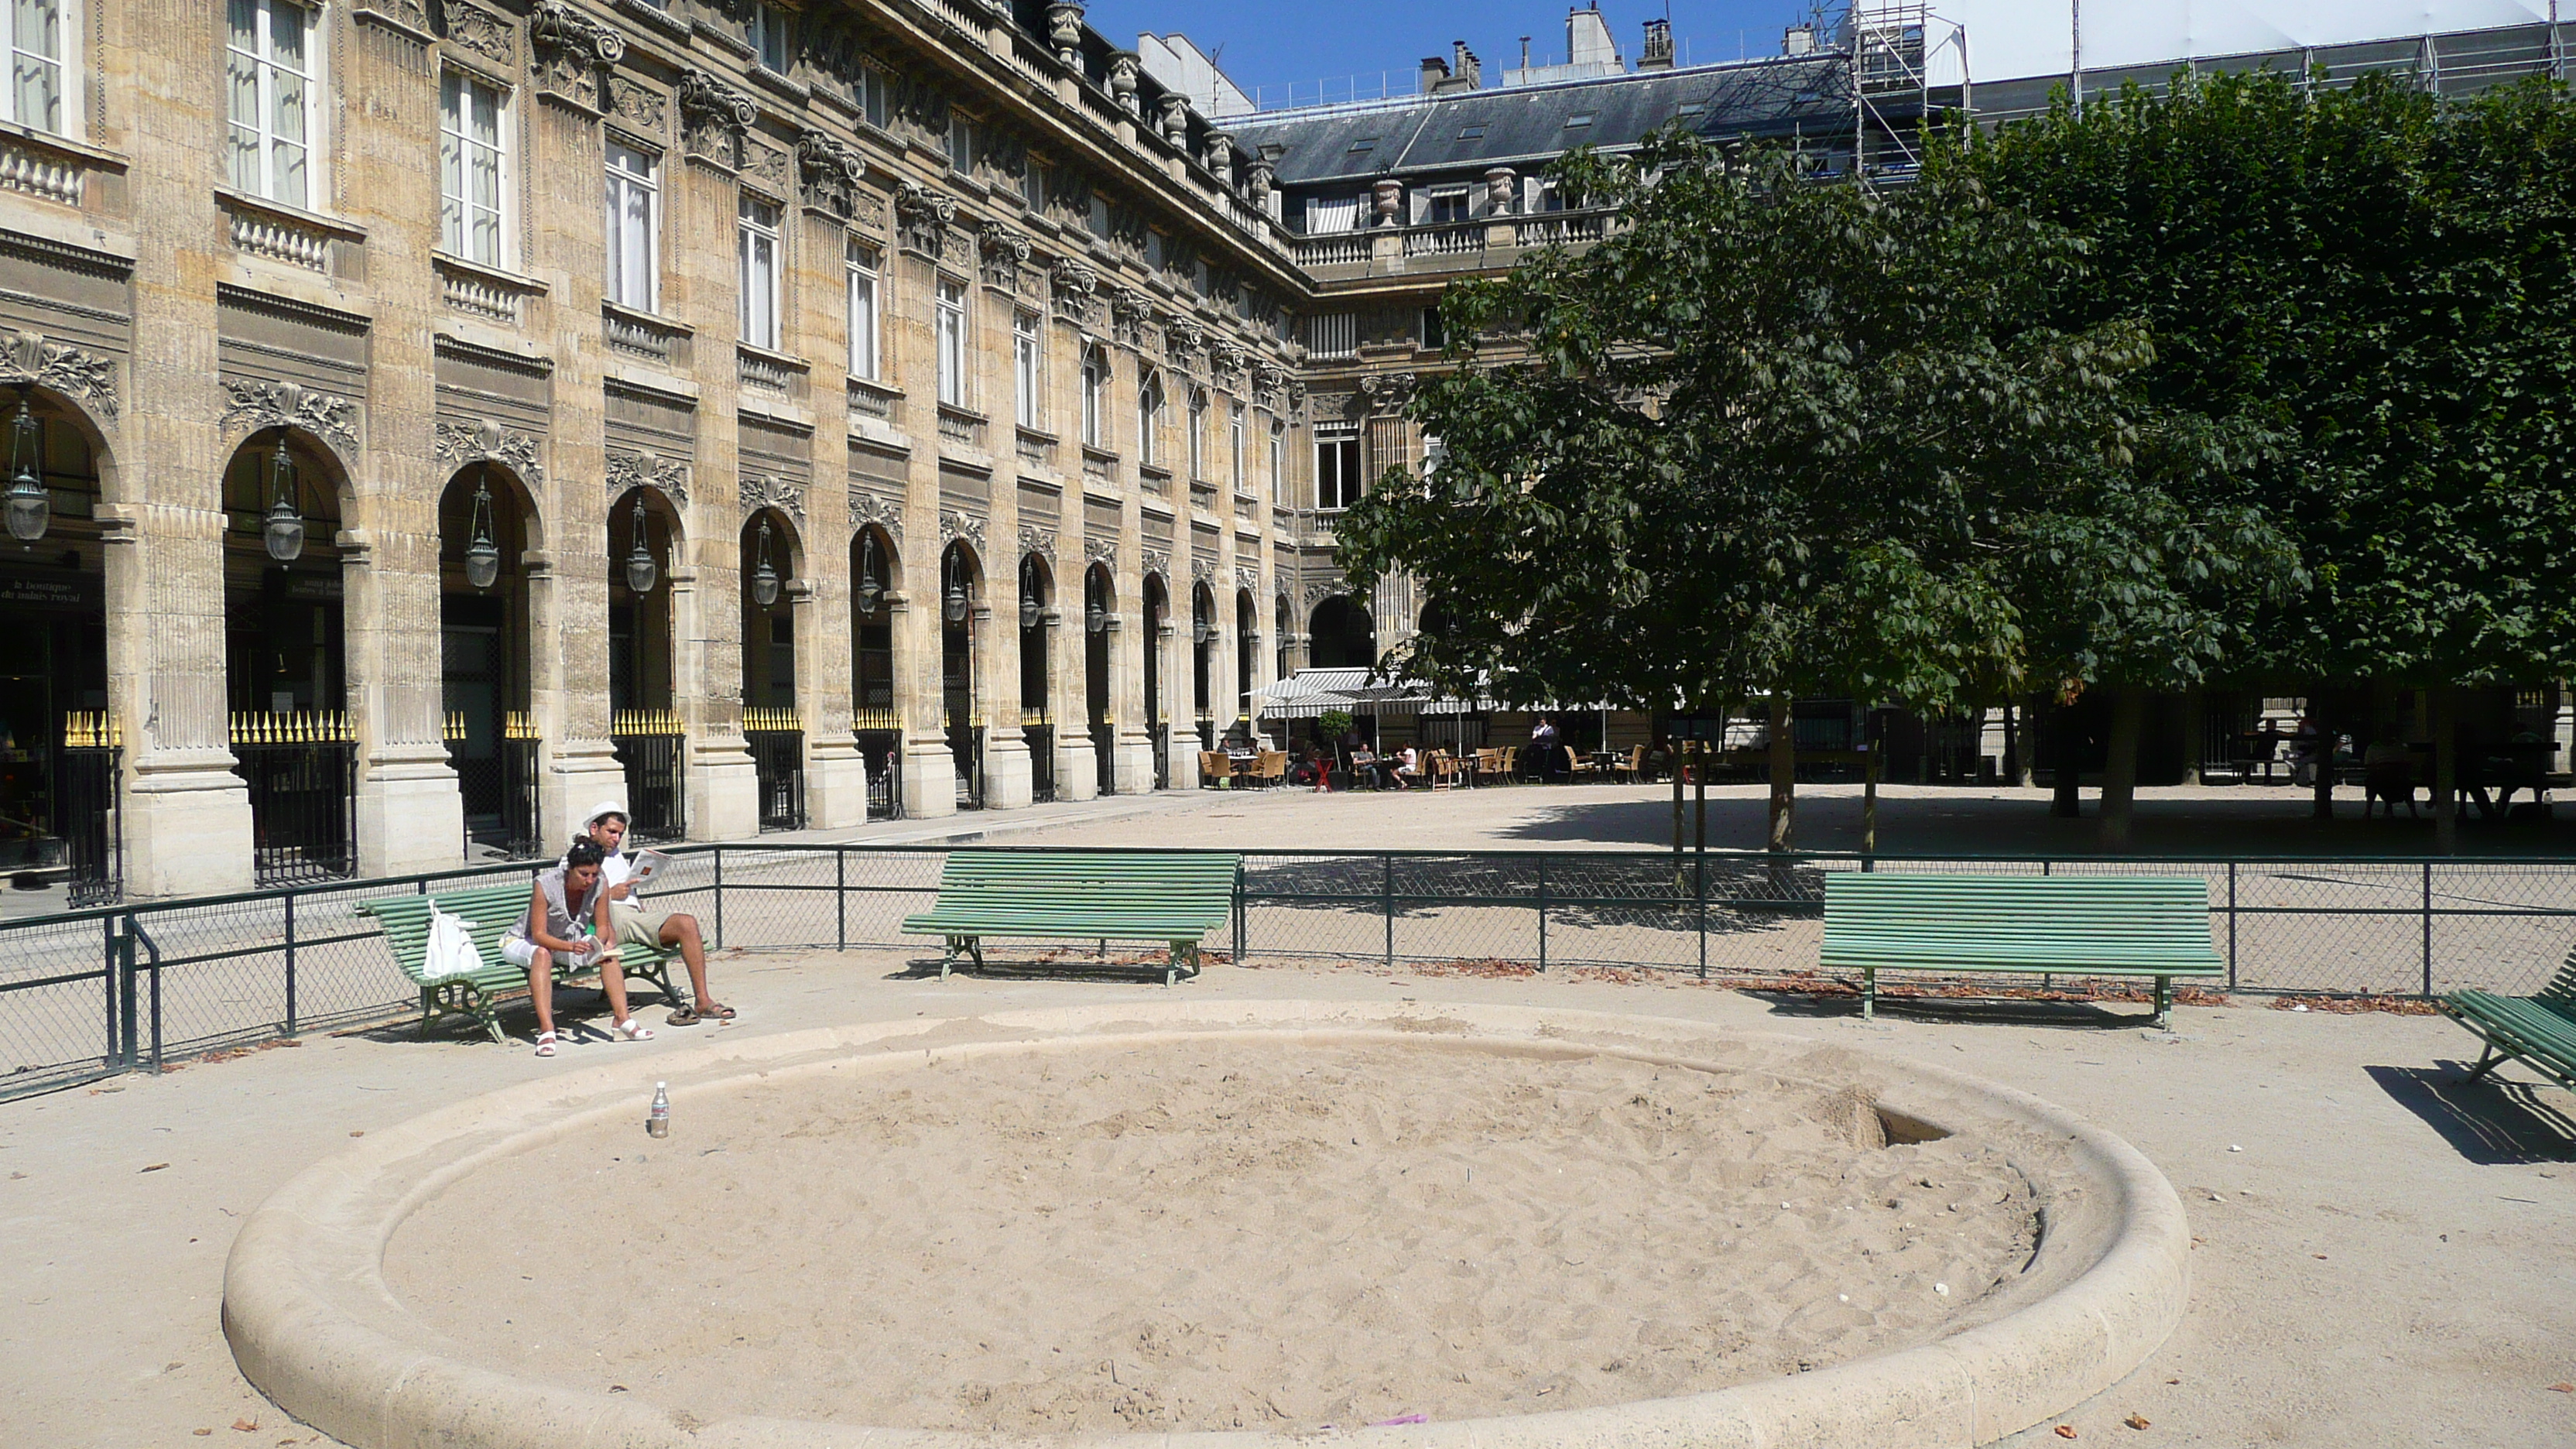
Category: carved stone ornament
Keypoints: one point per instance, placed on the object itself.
(1220, 156)
(1176, 120)
(1247, 578)
(1388, 391)
(1124, 66)
(1100, 550)
(1318, 590)
(637, 104)
(1037, 540)
(759, 491)
(480, 31)
(867, 508)
(1182, 338)
(648, 469)
(1257, 176)
(1296, 398)
(1202, 570)
(831, 172)
(1074, 283)
(1128, 310)
(1005, 252)
(570, 50)
(921, 218)
(956, 524)
(488, 442)
(1158, 563)
(1225, 359)
(765, 167)
(31, 358)
(714, 117)
(412, 15)
(1267, 379)
(1064, 31)
(254, 405)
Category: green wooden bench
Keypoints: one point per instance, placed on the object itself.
(2027, 924)
(488, 912)
(1083, 896)
(2539, 1031)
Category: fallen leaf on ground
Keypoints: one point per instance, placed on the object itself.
(2065, 1431)
(247, 1426)
(201, 1433)
(156, 1167)
(2135, 1421)
(2562, 1388)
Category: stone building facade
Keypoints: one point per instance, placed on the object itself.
(918, 396)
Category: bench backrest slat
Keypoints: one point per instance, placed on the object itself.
(1173, 887)
(2017, 917)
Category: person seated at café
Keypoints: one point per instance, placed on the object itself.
(1408, 768)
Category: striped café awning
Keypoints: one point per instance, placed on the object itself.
(1310, 692)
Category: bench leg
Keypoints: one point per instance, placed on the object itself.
(428, 1009)
(947, 955)
(2164, 1003)
(2488, 1061)
(1869, 993)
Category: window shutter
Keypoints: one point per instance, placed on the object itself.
(1421, 207)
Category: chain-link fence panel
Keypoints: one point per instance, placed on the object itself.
(61, 1003)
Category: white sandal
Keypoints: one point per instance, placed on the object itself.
(634, 1030)
(545, 1043)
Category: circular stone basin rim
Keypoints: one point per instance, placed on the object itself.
(313, 1324)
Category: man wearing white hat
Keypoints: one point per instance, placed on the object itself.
(622, 917)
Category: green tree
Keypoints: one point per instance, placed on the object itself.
(2378, 283)
(1776, 436)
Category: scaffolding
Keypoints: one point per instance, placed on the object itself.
(1893, 46)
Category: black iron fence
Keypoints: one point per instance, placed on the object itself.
(88, 993)
(777, 741)
(652, 745)
(497, 779)
(1104, 757)
(1162, 737)
(966, 749)
(1041, 739)
(302, 770)
(88, 791)
(882, 749)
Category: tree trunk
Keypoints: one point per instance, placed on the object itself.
(2446, 774)
(1675, 758)
(2120, 771)
(2328, 727)
(2065, 798)
(2016, 749)
(1784, 773)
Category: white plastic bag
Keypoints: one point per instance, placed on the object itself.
(451, 951)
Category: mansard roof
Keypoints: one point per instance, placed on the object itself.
(1525, 125)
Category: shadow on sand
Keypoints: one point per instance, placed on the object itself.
(2492, 1122)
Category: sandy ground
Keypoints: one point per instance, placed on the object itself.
(2382, 1254)
(1227, 1235)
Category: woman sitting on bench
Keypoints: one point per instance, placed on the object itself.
(562, 896)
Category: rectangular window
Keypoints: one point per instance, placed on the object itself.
(634, 227)
(870, 92)
(768, 36)
(1198, 434)
(1235, 436)
(1449, 207)
(269, 82)
(35, 96)
(756, 252)
(470, 176)
(1149, 420)
(961, 141)
(1033, 185)
(1100, 216)
(1332, 213)
(1434, 335)
(1279, 464)
(1337, 465)
(863, 310)
(1334, 334)
(1028, 369)
(1095, 394)
(954, 356)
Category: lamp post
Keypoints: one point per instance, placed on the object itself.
(764, 579)
(641, 571)
(482, 555)
(30, 508)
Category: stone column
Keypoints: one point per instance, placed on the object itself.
(410, 815)
(836, 777)
(700, 287)
(1009, 781)
(909, 347)
(187, 815)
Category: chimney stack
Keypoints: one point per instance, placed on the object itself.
(1658, 54)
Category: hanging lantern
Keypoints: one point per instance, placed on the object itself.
(1030, 608)
(871, 589)
(764, 579)
(1199, 630)
(953, 605)
(482, 555)
(30, 507)
(284, 531)
(1095, 615)
(641, 572)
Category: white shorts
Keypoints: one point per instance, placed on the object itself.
(517, 952)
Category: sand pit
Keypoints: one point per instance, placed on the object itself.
(1541, 1232)
(1220, 1235)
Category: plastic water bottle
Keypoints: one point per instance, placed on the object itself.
(657, 1123)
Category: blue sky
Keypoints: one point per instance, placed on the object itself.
(1271, 44)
